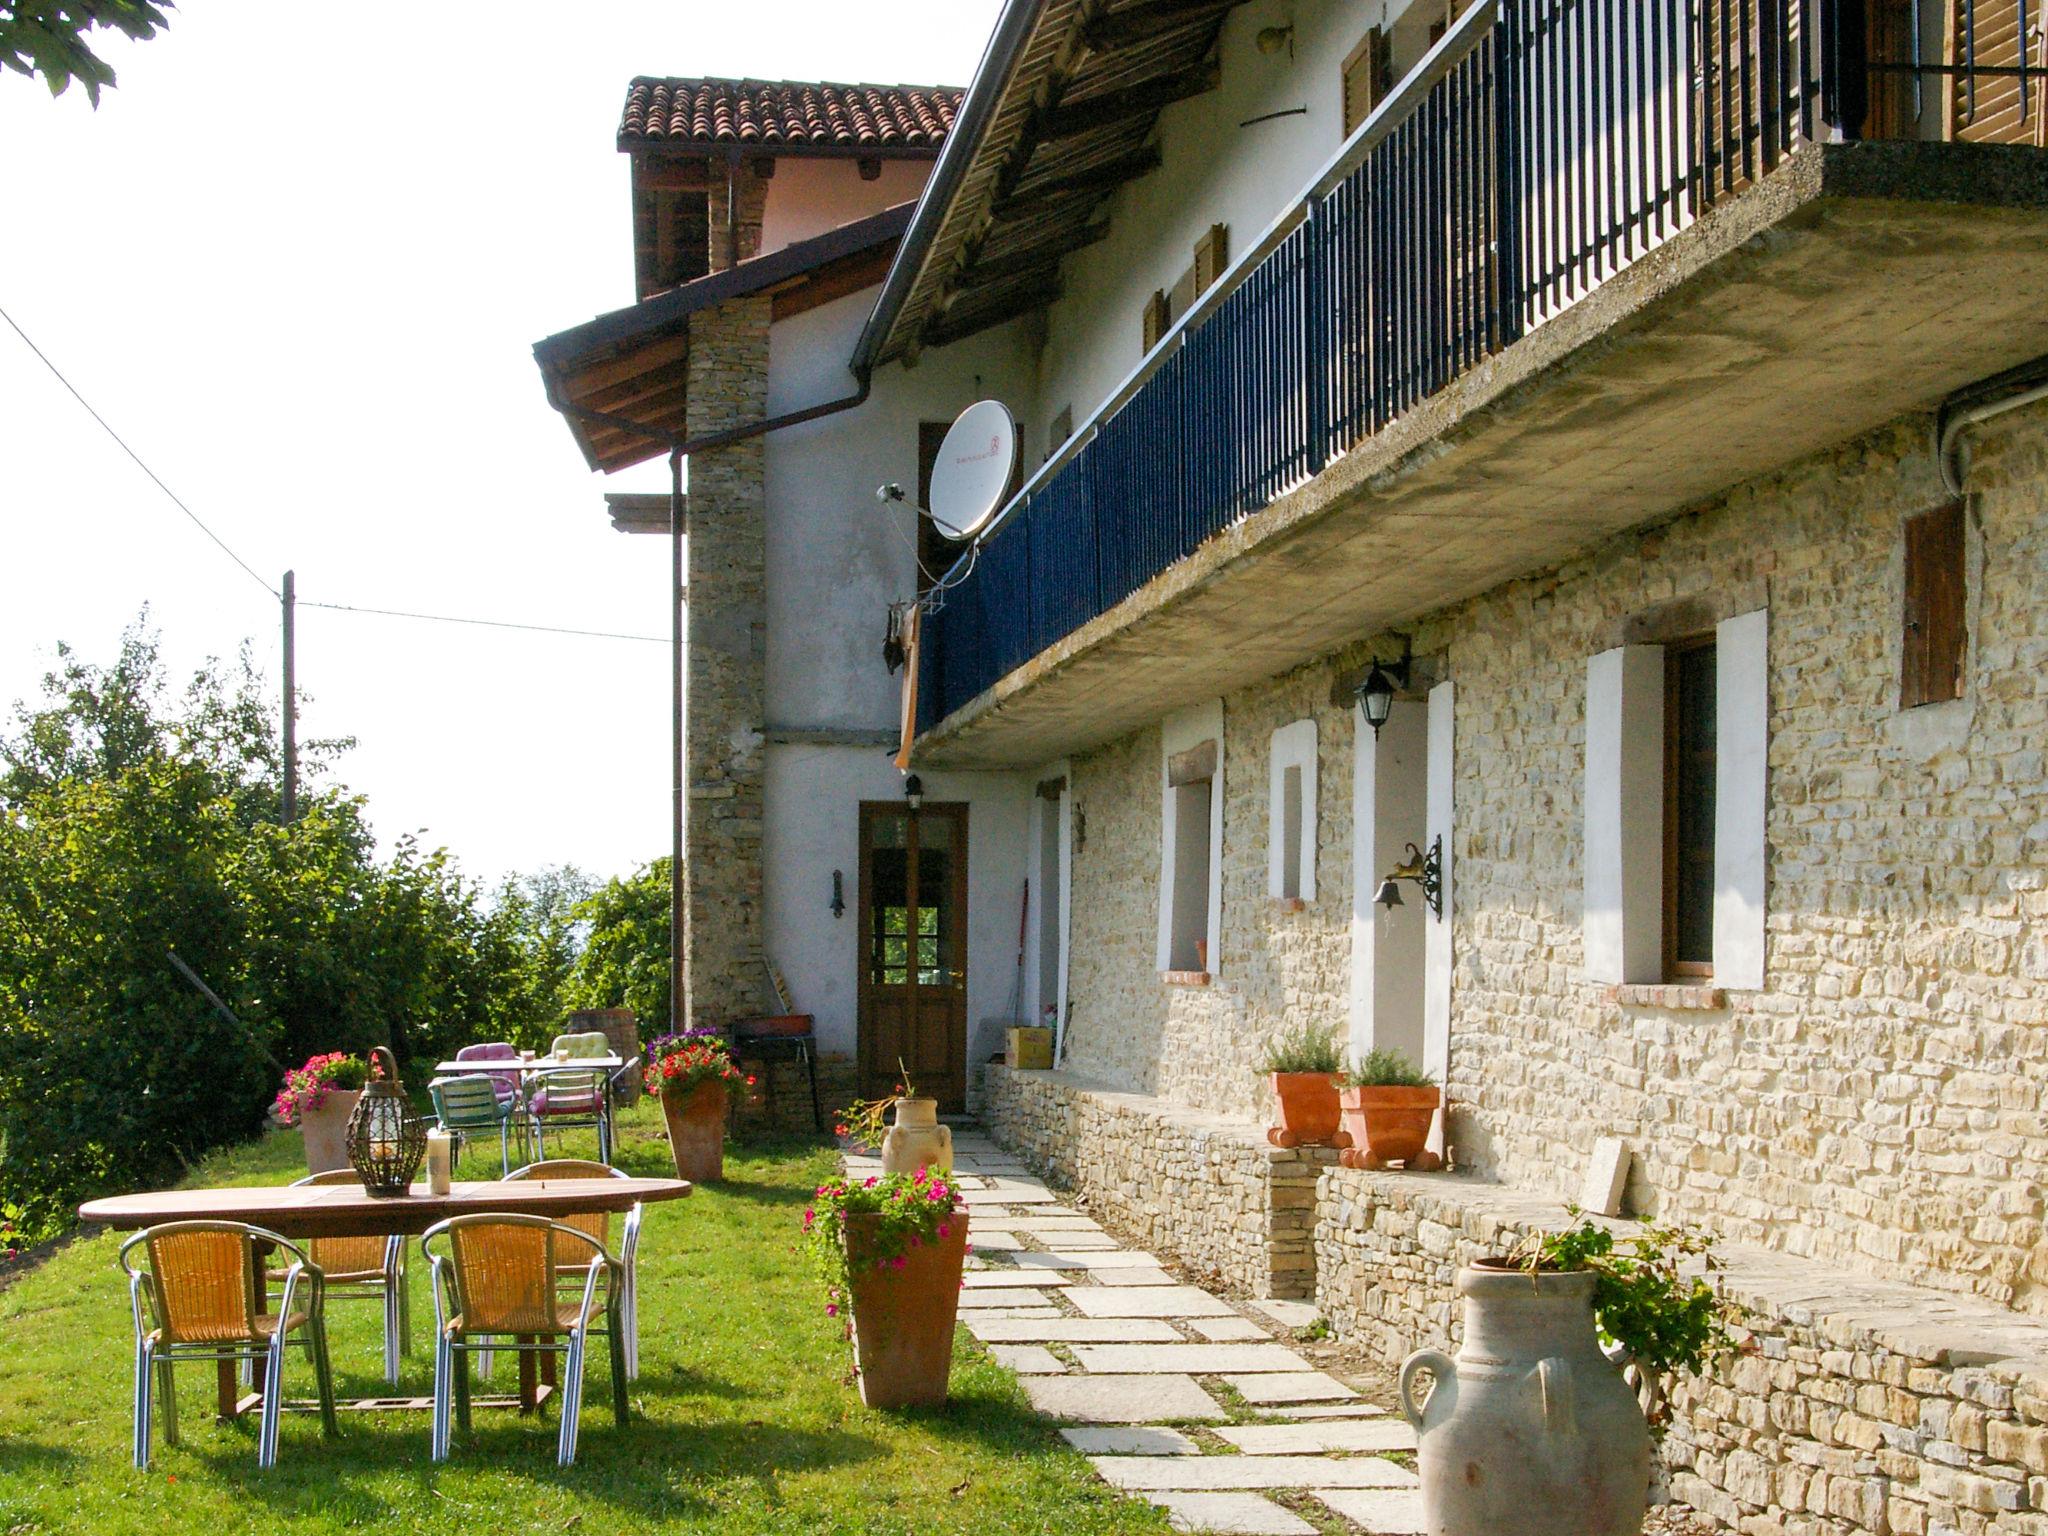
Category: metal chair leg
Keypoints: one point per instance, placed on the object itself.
(443, 1375)
(811, 1066)
(459, 1368)
(273, 1401)
(167, 1399)
(615, 1328)
(145, 1371)
(572, 1401)
(323, 1372)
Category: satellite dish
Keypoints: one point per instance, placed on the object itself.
(976, 464)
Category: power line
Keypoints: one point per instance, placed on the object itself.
(389, 613)
(444, 618)
(58, 374)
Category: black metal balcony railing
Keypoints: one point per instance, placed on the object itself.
(1541, 147)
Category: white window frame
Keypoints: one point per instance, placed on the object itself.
(1180, 732)
(1292, 746)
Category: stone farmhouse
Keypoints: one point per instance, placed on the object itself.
(1648, 394)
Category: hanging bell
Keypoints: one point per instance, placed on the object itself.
(386, 1140)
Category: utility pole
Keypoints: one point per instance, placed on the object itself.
(290, 810)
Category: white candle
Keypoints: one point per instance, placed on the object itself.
(440, 1154)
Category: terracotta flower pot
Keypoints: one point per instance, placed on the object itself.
(326, 1131)
(1391, 1125)
(1308, 1110)
(903, 1318)
(696, 1130)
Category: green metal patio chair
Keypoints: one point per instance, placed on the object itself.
(468, 1105)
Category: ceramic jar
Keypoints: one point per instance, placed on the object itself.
(916, 1139)
(1531, 1429)
(326, 1131)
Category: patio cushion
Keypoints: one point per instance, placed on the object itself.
(566, 1099)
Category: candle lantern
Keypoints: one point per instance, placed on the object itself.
(386, 1140)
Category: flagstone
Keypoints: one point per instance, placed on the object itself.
(1121, 1399)
(1075, 1240)
(1307, 1387)
(1202, 1359)
(1042, 1314)
(999, 1193)
(997, 1279)
(1132, 1277)
(1383, 1511)
(992, 1240)
(1358, 1410)
(1071, 1330)
(1228, 1330)
(1028, 1359)
(1329, 1435)
(1203, 1472)
(1289, 1314)
(975, 1299)
(1037, 1223)
(1147, 1441)
(1150, 1301)
(1231, 1514)
(1117, 1258)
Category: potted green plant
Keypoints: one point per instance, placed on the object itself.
(319, 1098)
(1389, 1104)
(915, 1140)
(890, 1249)
(1541, 1432)
(1302, 1064)
(693, 1074)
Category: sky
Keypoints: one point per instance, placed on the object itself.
(298, 258)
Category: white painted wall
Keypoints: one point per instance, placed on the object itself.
(811, 808)
(1388, 811)
(1742, 709)
(1437, 951)
(1191, 727)
(836, 557)
(1052, 889)
(808, 197)
(1212, 171)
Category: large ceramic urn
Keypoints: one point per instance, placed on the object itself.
(916, 1139)
(1531, 1429)
(326, 1130)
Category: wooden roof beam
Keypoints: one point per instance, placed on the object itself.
(952, 328)
(1101, 178)
(1142, 22)
(1071, 118)
(982, 274)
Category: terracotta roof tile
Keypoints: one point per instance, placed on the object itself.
(766, 113)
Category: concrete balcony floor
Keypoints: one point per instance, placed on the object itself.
(1855, 284)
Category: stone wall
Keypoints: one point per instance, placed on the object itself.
(753, 204)
(1883, 1102)
(725, 685)
(1205, 1190)
(1273, 965)
(1857, 1405)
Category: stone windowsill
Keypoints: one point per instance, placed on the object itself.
(1185, 978)
(1702, 997)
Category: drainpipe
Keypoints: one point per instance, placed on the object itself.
(1980, 402)
(679, 449)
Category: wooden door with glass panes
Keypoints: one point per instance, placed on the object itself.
(913, 950)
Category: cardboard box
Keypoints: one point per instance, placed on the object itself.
(1031, 1049)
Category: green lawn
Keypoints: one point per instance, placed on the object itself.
(745, 1417)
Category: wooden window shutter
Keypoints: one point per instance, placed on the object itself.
(1935, 642)
(1212, 255)
(1986, 109)
(1155, 319)
(1368, 76)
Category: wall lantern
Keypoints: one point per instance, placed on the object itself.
(838, 895)
(1376, 693)
(913, 790)
(1425, 869)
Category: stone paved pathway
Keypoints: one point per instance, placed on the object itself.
(1177, 1396)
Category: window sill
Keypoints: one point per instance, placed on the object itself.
(1185, 978)
(1289, 904)
(1701, 997)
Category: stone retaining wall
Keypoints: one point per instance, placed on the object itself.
(1205, 1190)
(1862, 1405)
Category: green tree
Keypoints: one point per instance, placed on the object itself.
(47, 37)
(624, 963)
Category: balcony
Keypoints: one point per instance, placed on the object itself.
(1592, 261)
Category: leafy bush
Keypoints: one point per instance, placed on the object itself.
(624, 961)
(1304, 1048)
(1643, 1300)
(1387, 1069)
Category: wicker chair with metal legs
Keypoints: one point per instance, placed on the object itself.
(496, 1288)
(597, 1225)
(198, 1298)
(364, 1269)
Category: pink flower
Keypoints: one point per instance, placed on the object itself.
(944, 1230)
(871, 1183)
(831, 1310)
(897, 1262)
